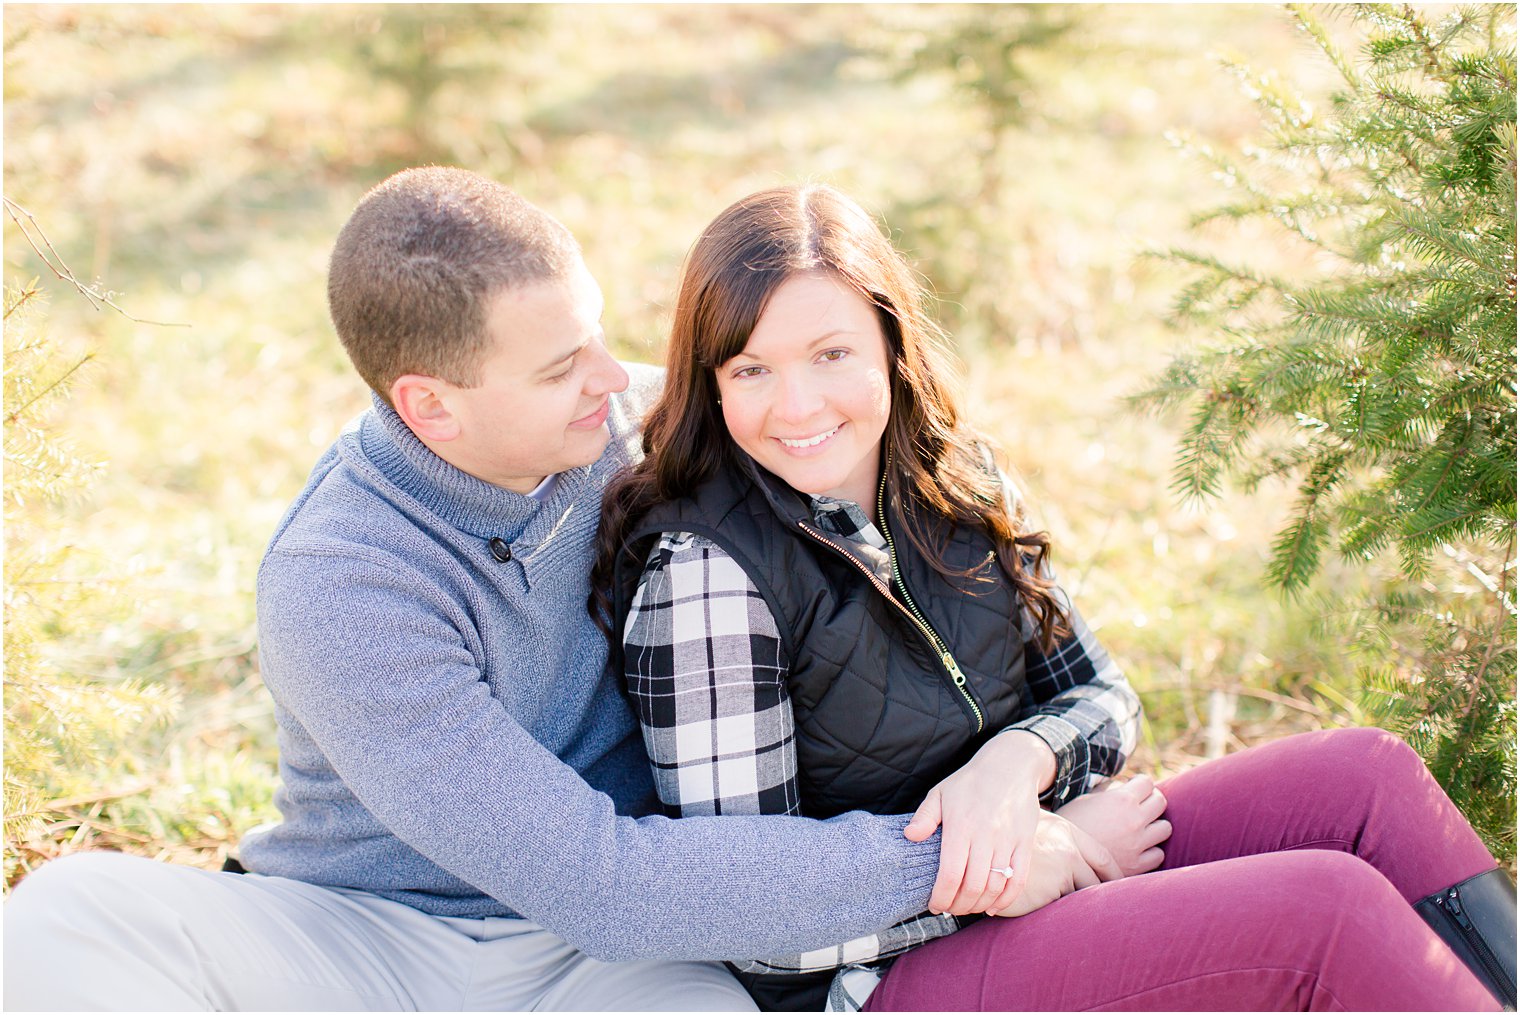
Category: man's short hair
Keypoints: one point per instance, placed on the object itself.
(415, 269)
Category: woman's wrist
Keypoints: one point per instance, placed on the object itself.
(1025, 756)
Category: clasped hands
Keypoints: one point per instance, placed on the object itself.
(990, 813)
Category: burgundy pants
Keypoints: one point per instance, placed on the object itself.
(1287, 887)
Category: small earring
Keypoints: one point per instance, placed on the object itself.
(720, 399)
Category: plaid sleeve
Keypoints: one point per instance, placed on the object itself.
(1080, 704)
(895, 940)
(703, 662)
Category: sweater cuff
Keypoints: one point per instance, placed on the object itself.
(1073, 756)
(918, 861)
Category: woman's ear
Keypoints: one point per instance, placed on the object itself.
(423, 405)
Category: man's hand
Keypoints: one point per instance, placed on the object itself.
(989, 808)
(1125, 817)
(1065, 858)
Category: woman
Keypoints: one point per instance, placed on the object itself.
(826, 601)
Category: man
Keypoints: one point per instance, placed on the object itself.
(462, 783)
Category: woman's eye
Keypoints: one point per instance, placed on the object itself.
(748, 372)
(834, 355)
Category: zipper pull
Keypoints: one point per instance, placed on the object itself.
(1454, 902)
(955, 671)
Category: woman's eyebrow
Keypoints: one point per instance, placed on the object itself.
(828, 336)
(831, 335)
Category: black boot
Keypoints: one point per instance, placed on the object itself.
(1476, 919)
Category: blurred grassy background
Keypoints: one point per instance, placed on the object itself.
(199, 160)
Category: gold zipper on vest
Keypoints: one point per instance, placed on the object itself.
(945, 657)
(957, 678)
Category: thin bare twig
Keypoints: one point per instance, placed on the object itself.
(55, 264)
(1491, 649)
(92, 827)
(1276, 699)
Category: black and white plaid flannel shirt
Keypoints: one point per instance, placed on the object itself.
(703, 661)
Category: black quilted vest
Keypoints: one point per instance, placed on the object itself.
(880, 716)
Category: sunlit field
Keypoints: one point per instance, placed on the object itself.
(197, 161)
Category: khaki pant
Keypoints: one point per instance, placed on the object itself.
(104, 931)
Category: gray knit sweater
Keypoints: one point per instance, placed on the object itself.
(450, 738)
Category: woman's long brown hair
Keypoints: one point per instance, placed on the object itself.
(736, 264)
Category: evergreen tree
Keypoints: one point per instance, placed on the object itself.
(68, 736)
(990, 58)
(1380, 377)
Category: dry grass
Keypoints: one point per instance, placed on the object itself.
(200, 160)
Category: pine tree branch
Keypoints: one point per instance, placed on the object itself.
(1446, 522)
(1489, 652)
(1437, 238)
(54, 386)
(17, 298)
(1317, 31)
(1451, 462)
(1214, 264)
(1421, 34)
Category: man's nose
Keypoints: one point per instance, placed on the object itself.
(607, 375)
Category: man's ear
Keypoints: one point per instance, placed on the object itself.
(422, 403)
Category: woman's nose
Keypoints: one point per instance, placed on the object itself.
(798, 400)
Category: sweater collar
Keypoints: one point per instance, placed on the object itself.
(469, 504)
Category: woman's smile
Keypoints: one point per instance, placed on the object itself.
(809, 396)
(808, 444)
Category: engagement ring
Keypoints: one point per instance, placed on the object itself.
(1007, 872)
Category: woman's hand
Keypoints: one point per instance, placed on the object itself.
(1064, 859)
(1125, 817)
(990, 810)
